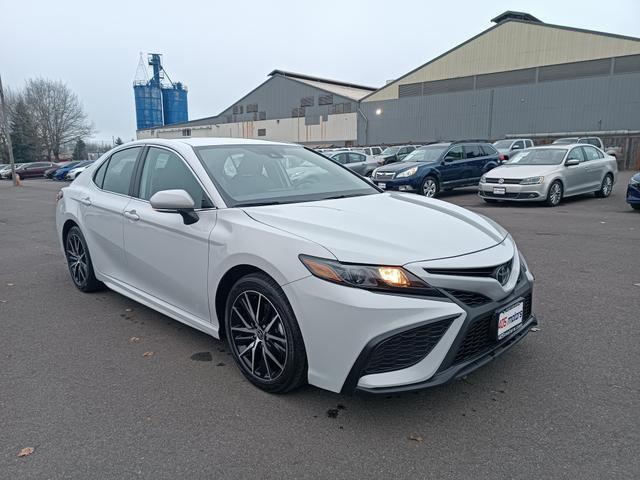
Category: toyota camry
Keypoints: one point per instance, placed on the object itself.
(319, 278)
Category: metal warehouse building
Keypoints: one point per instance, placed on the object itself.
(521, 76)
(286, 107)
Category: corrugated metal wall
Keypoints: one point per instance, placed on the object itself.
(610, 102)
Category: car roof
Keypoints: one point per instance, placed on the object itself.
(205, 141)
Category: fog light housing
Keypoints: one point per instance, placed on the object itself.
(404, 188)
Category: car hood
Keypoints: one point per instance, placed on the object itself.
(522, 171)
(385, 229)
(399, 166)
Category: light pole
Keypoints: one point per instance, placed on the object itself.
(7, 134)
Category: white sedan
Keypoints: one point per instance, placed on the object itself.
(330, 281)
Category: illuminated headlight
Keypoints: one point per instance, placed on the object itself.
(532, 181)
(483, 179)
(369, 277)
(407, 173)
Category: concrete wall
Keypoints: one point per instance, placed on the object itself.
(337, 129)
(610, 102)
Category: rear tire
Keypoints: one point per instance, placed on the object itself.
(606, 187)
(554, 196)
(263, 335)
(429, 187)
(79, 261)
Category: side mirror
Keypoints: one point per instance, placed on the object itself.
(175, 201)
(571, 162)
(516, 147)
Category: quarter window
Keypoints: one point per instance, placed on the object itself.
(98, 178)
(117, 177)
(164, 170)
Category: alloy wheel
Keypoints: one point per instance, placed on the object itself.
(555, 195)
(258, 335)
(429, 188)
(607, 186)
(77, 258)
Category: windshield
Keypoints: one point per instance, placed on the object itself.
(542, 156)
(503, 144)
(390, 151)
(426, 154)
(268, 174)
(565, 141)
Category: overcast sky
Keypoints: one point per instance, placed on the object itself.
(221, 50)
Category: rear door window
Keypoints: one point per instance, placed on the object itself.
(473, 151)
(117, 178)
(356, 158)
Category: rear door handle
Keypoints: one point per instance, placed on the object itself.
(86, 201)
(131, 215)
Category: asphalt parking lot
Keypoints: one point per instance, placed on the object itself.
(102, 387)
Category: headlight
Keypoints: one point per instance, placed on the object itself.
(369, 277)
(634, 182)
(407, 173)
(483, 179)
(532, 181)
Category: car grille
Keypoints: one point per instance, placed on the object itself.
(467, 272)
(508, 181)
(505, 195)
(472, 299)
(407, 348)
(481, 335)
(384, 175)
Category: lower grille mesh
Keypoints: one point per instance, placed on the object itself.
(481, 335)
(407, 348)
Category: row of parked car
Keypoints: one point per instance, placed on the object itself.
(56, 171)
(507, 170)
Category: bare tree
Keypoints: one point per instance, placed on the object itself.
(57, 113)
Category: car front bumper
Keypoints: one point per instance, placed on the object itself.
(409, 184)
(633, 194)
(515, 192)
(343, 327)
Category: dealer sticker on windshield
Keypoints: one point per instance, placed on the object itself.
(510, 318)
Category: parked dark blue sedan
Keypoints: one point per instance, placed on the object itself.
(633, 192)
(62, 171)
(440, 166)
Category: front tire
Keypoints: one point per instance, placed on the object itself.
(429, 187)
(263, 335)
(554, 196)
(606, 187)
(79, 261)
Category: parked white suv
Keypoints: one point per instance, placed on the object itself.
(508, 146)
(326, 279)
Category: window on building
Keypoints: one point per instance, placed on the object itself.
(297, 112)
(307, 102)
(262, 115)
(325, 99)
(186, 132)
(262, 132)
(252, 107)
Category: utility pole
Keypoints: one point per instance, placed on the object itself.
(4, 124)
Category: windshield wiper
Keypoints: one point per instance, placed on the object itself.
(257, 204)
(346, 196)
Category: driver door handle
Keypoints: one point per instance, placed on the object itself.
(86, 201)
(131, 215)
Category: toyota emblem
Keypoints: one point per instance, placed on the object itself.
(502, 273)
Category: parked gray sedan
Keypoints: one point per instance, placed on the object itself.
(356, 161)
(551, 173)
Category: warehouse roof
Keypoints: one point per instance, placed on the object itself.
(345, 89)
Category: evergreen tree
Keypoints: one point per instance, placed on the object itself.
(24, 134)
(80, 150)
(118, 141)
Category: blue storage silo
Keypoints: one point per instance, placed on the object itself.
(174, 104)
(148, 105)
